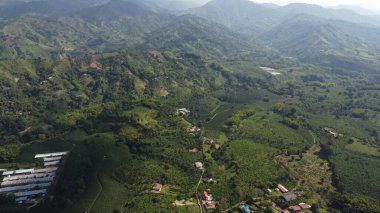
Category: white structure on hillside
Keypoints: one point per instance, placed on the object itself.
(183, 112)
(28, 185)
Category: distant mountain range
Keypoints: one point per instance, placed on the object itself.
(311, 33)
(357, 9)
(224, 29)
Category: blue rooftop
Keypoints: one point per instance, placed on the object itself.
(245, 208)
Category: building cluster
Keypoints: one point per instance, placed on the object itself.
(297, 208)
(28, 185)
(211, 142)
(194, 130)
(208, 200)
(289, 196)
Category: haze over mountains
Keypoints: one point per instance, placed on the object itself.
(103, 26)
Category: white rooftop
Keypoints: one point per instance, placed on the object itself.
(33, 175)
(8, 173)
(21, 199)
(46, 170)
(23, 171)
(20, 171)
(55, 154)
(52, 159)
(26, 181)
(30, 193)
(24, 187)
(51, 163)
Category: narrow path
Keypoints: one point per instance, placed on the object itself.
(199, 200)
(35, 203)
(101, 187)
(234, 206)
(216, 115)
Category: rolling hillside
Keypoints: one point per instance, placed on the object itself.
(315, 40)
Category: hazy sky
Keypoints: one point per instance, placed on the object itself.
(368, 4)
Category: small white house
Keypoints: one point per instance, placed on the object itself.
(182, 112)
(198, 165)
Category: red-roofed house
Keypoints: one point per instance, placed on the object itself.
(157, 188)
(282, 188)
(205, 195)
(295, 208)
(210, 204)
(193, 150)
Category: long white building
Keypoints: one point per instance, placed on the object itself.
(30, 184)
(25, 187)
(26, 181)
(49, 155)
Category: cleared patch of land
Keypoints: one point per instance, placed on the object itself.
(270, 70)
(312, 172)
(363, 149)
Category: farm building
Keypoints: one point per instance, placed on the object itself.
(216, 146)
(31, 193)
(51, 163)
(209, 180)
(49, 155)
(282, 188)
(207, 196)
(52, 159)
(193, 150)
(193, 130)
(208, 141)
(295, 208)
(46, 170)
(305, 206)
(25, 187)
(289, 196)
(29, 184)
(18, 172)
(156, 188)
(26, 181)
(20, 177)
(245, 208)
(198, 165)
(210, 205)
(182, 112)
(20, 200)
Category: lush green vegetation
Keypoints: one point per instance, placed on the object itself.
(68, 84)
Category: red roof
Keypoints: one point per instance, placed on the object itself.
(296, 208)
(205, 194)
(193, 150)
(305, 206)
(282, 188)
(157, 187)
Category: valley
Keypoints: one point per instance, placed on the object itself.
(230, 106)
